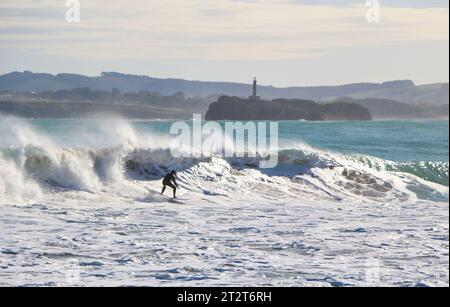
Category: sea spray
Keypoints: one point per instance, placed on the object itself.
(116, 158)
(65, 168)
(14, 186)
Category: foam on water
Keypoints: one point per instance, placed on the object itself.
(131, 157)
(13, 184)
(319, 218)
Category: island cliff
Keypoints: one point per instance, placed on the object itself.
(234, 108)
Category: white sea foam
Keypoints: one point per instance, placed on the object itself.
(316, 219)
(14, 186)
(129, 157)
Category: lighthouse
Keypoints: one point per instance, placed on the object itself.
(255, 96)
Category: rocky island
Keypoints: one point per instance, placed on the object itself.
(234, 108)
(253, 108)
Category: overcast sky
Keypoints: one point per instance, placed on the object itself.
(282, 42)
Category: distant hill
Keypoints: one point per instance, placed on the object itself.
(402, 91)
(56, 110)
(234, 108)
(391, 109)
(443, 111)
(83, 102)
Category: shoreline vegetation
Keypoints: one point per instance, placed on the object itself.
(85, 103)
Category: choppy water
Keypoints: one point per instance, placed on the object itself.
(345, 194)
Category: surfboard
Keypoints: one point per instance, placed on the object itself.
(156, 196)
(177, 201)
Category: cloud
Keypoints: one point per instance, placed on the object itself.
(218, 30)
(387, 3)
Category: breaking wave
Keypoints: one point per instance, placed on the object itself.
(31, 165)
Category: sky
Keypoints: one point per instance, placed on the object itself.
(282, 42)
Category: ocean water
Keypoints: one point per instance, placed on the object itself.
(350, 203)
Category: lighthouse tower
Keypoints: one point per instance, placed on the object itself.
(255, 96)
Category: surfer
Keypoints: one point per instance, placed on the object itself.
(169, 180)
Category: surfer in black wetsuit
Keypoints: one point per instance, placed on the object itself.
(169, 180)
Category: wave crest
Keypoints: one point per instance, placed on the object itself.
(306, 171)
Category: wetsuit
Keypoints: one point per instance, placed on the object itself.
(169, 180)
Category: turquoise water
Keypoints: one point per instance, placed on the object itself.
(391, 140)
(401, 141)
